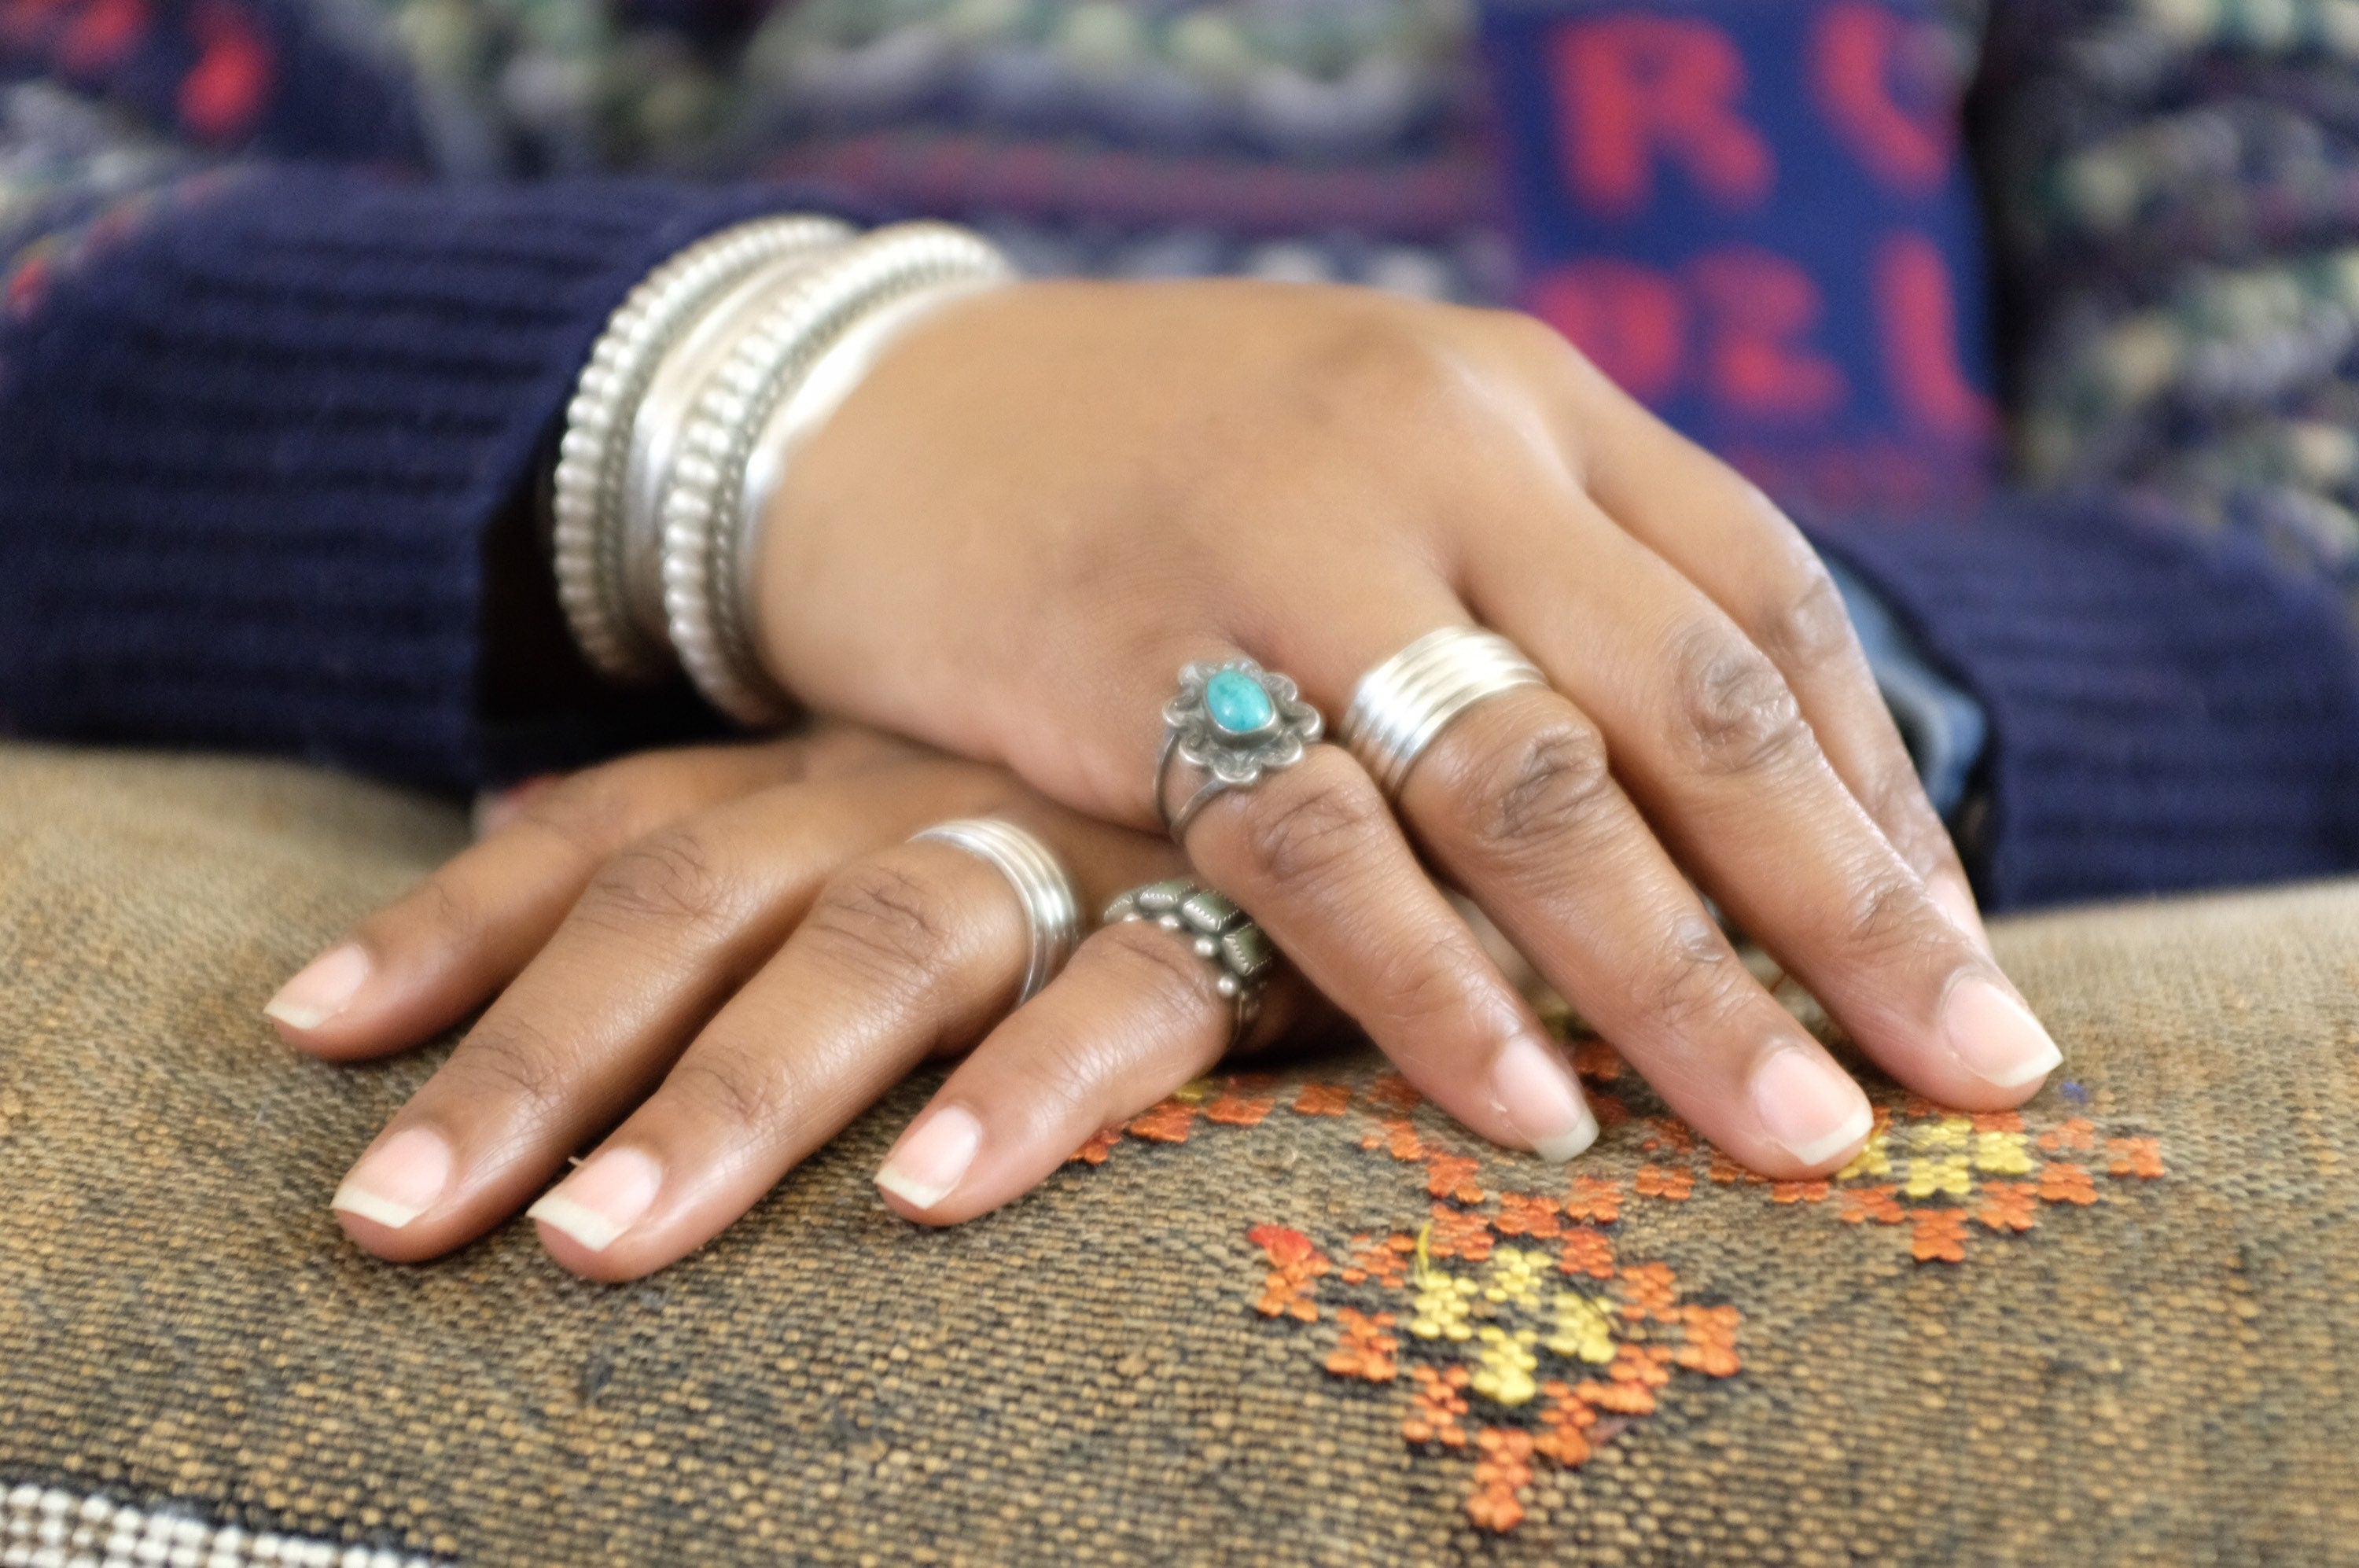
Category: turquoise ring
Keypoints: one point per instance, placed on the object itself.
(1234, 724)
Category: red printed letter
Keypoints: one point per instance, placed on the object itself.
(1630, 87)
(1852, 62)
(1627, 319)
(1761, 309)
(1917, 321)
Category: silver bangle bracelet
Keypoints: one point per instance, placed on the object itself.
(588, 482)
(703, 555)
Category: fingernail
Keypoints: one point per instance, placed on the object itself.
(1957, 901)
(929, 1159)
(398, 1181)
(1809, 1105)
(1994, 1035)
(1542, 1100)
(601, 1199)
(320, 989)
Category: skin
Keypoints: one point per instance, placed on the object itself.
(722, 955)
(1118, 479)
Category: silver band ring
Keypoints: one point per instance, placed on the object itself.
(1401, 705)
(1051, 911)
(1223, 935)
(1235, 722)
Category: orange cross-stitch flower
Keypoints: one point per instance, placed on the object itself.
(2062, 1184)
(1586, 1251)
(1452, 1176)
(1673, 1185)
(1666, 1135)
(1860, 1204)
(1940, 1235)
(1528, 1214)
(1597, 1199)
(1457, 1233)
(1366, 1351)
(2008, 1205)
(1997, 1121)
(1799, 1191)
(1322, 1100)
(1397, 1138)
(1234, 1109)
(1099, 1145)
(1391, 1092)
(2141, 1157)
(2075, 1133)
(1166, 1123)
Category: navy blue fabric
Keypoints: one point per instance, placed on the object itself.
(2165, 712)
(250, 460)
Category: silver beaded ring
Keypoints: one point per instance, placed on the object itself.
(587, 485)
(1222, 934)
(702, 565)
(1403, 704)
(1051, 911)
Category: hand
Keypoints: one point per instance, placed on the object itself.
(1042, 503)
(732, 951)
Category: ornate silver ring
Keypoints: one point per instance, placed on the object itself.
(1234, 723)
(1223, 935)
(1403, 704)
(1051, 910)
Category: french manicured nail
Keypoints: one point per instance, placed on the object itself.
(1994, 1035)
(931, 1158)
(398, 1181)
(1541, 1098)
(320, 989)
(603, 1198)
(1809, 1105)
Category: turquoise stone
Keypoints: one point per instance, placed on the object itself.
(1237, 702)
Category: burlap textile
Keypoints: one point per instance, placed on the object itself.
(2121, 1331)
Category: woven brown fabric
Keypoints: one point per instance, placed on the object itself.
(1152, 1361)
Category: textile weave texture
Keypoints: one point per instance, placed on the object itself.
(2116, 1331)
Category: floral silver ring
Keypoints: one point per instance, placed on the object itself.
(1234, 724)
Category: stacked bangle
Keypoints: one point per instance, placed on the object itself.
(706, 381)
(592, 572)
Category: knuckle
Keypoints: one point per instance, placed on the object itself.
(883, 924)
(1171, 983)
(735, 1088)
(518, 1064)
(1735, 709)
(1699, 982)
(1890, 919)
(1310, 832)
(1550, 784)
(668, 878)
(1807, 628)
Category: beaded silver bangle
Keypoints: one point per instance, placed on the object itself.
(589, 545)
(706, 544)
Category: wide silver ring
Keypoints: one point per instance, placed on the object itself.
(1222, 934)
(1403, 704)
(1234, 723)
(1051, 909)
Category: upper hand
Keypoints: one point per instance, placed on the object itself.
(1042, 503)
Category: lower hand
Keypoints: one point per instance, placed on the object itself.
(732, 950)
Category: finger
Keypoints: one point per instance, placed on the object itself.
(662, 935)
(1732, 542)
(1712, 745)
(1515, 797)
(1316, 856)
(1133, 1017)
(425, 962)
(910, 951)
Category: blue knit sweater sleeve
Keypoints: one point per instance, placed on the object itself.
(257, 462)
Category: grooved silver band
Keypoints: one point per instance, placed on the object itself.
(703, 602)
(1401, 705)
(588, 488)
(1051, 910)
(1223, 935)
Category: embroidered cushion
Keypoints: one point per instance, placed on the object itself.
(1292, 1317)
